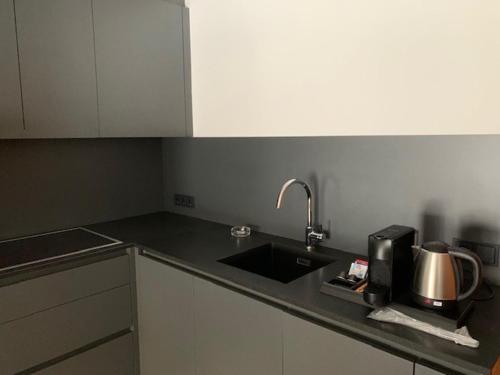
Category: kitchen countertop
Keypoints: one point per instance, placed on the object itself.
(196, 245)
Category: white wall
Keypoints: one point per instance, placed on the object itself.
(339, 67)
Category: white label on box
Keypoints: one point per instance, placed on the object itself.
(358, 270)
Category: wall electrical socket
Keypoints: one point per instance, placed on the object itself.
(489, 253)
(184, 200)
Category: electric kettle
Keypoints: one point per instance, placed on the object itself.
(438, 275)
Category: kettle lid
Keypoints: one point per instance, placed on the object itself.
(436, 247)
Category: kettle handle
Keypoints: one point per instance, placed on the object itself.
(465, 254)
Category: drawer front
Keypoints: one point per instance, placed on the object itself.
(40, 337)
(112, 358)
(28, 297)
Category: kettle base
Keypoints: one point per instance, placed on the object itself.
(449, 319)
(434, 304)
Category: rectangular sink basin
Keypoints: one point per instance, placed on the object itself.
(278, 262)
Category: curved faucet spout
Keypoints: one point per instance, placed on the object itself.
(314, 233)
(306, 187)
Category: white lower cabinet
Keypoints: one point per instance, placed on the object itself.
(235, 334)
(188, 325)
(166, 319)
(424, 370)
(112, 358)
(312, 349)
(191, 326)
(60, 315)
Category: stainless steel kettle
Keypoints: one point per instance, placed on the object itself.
(438, 275)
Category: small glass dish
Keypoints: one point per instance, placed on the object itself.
(240, 231)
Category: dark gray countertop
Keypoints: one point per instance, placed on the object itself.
(198, 244)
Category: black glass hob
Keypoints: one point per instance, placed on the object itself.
(34, 249)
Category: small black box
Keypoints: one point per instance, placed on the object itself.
(390, 264)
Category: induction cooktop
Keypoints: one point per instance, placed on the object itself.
(39, 248)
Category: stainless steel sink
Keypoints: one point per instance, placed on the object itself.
(278, 262)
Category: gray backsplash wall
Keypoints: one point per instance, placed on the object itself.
(446, 187)
(52, 184)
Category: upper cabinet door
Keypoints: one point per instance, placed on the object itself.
(11, 115)
(140, 68)
(56, 54)
(336, 67)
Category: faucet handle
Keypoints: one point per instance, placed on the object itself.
(317, 236)
(317, 233)
(314, 235)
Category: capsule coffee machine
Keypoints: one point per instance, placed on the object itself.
(390, 264)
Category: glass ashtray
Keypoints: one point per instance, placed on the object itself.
(240, 231)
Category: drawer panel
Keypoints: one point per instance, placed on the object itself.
(112, 358)
(27, 297)
(40, 337)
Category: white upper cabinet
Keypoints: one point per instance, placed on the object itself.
(337, 67)
(140, 68)
(56, 56)
(11, 115)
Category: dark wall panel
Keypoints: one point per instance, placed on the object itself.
(51, 184)
(446, 186)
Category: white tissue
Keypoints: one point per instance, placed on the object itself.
(460, 336)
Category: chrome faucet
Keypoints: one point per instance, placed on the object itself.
(314, 233)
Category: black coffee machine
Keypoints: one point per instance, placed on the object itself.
(390, 264)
